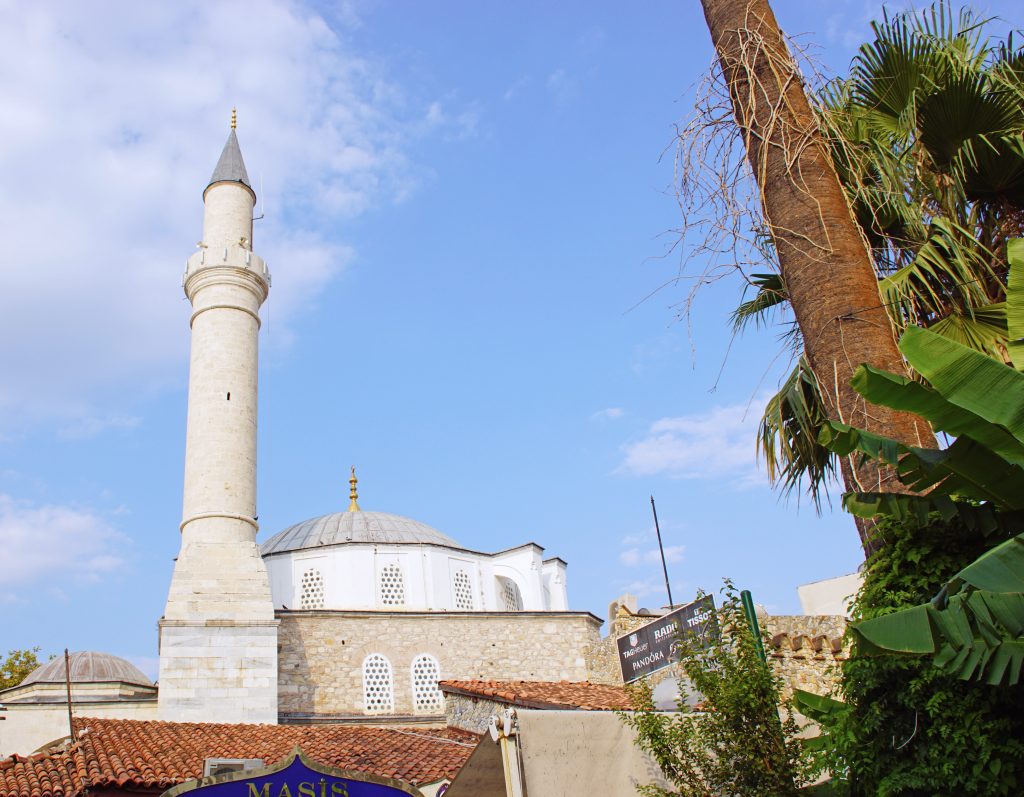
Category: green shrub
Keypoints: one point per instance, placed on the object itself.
(738, 744)
(909, 728)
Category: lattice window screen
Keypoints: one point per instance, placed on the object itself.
(392, 586)
(425, 674)
(312, 589)
(510, 596)
(463, 590)
(378, 690)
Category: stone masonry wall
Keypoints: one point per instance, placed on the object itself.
(807, 650)
(321, 653)
(470, 713)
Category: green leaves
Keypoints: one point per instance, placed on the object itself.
(974, 627)
(789, 430)
(738, 744)
(968, 379)
(1015, 302)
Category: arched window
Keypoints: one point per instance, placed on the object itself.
(312, 596)
(392, 586)
(511, 598)
(463, 590)
(378, 690)
(426, 672)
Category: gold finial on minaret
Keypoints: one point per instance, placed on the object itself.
(234, 118)
(352, 493)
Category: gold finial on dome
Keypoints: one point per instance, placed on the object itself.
(353, 493)
(234, 118)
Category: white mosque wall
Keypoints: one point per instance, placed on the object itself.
(414, 577)
(553, 578)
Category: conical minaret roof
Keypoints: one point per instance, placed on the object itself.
(231, 168)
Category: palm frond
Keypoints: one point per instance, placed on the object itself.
(770, 296)
(788, 436)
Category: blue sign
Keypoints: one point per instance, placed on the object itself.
(296, 776)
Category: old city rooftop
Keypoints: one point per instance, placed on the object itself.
(133, 755)
(581, 695)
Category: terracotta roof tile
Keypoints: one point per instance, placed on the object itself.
(545, 694)
(146, 754)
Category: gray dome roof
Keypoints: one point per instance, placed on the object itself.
(88, 666)
(343, 527)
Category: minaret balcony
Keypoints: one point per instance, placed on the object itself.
(236, 256)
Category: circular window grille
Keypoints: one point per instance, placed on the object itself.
(378, 695)
(510, 596)
(425, 674)
(312, 590)
(392, 586)
(463, 590)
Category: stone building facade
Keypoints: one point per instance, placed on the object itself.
(346, 664)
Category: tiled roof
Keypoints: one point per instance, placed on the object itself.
(144, 754)
(545, 694)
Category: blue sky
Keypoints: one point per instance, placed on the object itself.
(468, 215)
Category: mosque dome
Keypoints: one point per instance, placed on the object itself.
(355, 527)
(88, 666)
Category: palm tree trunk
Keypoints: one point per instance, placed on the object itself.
(823, 257)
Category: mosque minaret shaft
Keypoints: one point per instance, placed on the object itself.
(218, 635)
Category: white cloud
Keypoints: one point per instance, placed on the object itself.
(45, 543)
(83, 428)
(608, 414)
(517, 86)
(652, 587)
(561, 85)
(633, 557)
(114, 115)
(717, 444)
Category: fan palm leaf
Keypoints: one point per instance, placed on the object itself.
(927, 136)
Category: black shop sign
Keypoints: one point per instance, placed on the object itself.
(652, 647)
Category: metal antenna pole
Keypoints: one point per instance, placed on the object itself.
(67, 682)
(664, 567)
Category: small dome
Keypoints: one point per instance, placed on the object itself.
(88, 666)
(345, 527)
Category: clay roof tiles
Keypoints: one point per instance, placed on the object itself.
(581, 695)
(146, 754)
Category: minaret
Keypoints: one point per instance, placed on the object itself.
(218, 635)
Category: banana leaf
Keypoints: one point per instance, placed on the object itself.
(966, 469)
(984, 519)
(973, 628)
(820, 709)
(968, 378)
(1015, 302)
(900, 393)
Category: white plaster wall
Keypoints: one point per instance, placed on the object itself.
(466, 565)
(306, 562)
(553, 573)
(352, 571)
(27, 727)
(523, 565)
(488, 599)
(831, 596)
